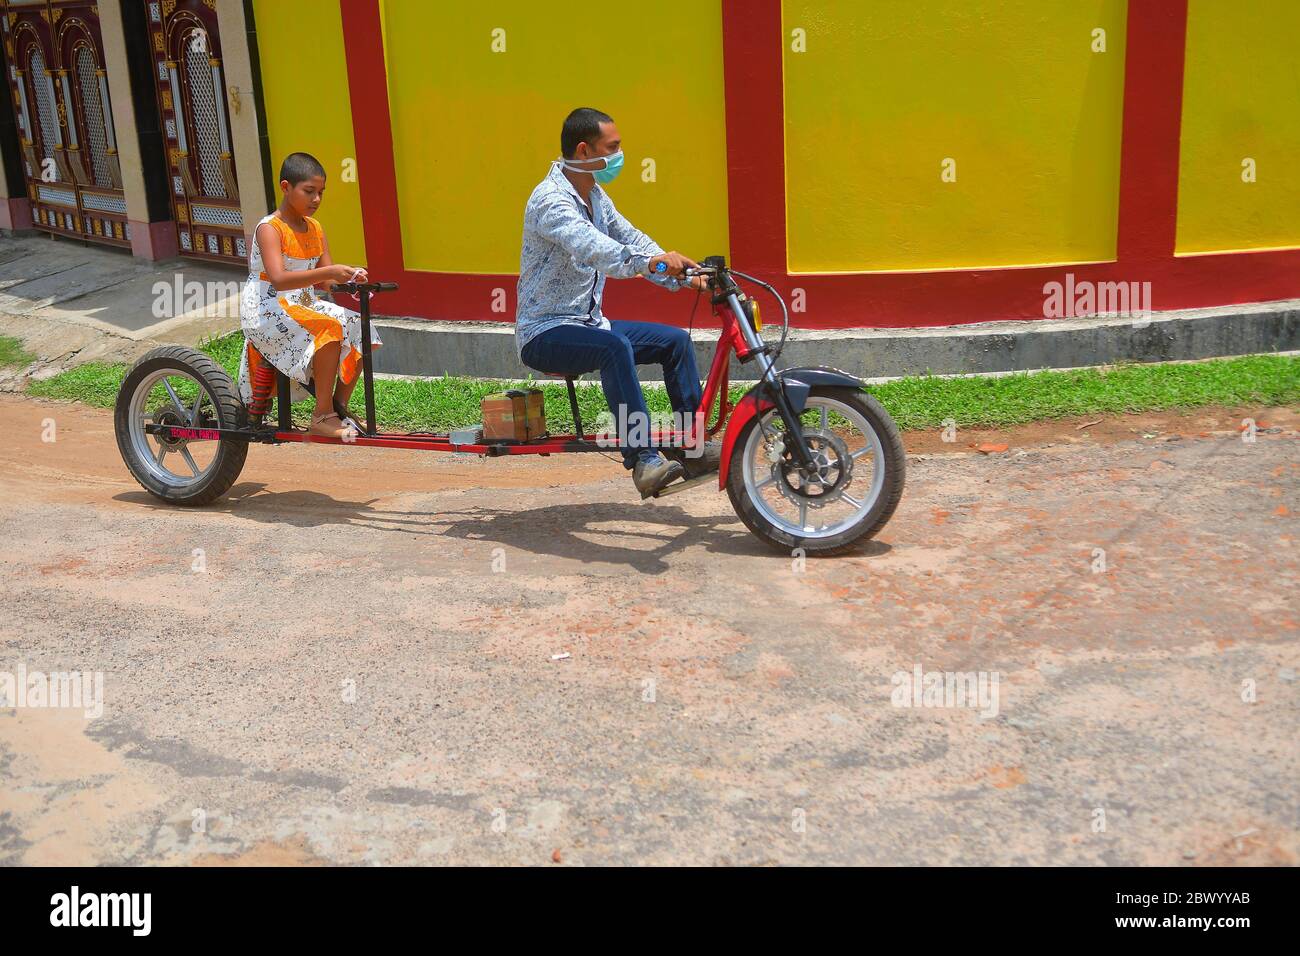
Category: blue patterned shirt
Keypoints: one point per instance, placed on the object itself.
(568, 251)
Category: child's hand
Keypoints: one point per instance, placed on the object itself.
(340, 273)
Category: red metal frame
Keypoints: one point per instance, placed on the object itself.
(752, 70)
(555, 445)
(716, 387)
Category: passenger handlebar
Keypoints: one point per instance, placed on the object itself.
(352, 288)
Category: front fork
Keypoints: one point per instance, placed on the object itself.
(773, 389)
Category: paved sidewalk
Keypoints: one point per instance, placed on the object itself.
(70, 303)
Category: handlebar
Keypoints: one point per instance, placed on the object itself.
(722, 283)
(353, 288)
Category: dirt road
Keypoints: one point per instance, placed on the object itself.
(351, 660)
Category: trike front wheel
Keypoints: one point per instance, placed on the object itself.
(860, 474)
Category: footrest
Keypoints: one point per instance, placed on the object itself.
(679, 486)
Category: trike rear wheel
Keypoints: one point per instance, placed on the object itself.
(181, 387)
(859, 483)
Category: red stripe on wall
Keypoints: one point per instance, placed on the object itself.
(363, 43)
(1153, 120)
(752, 79)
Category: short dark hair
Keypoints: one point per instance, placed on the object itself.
(581, 126)
(298, 167)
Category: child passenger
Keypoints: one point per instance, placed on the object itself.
(285, 322)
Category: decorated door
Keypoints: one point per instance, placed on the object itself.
(188, 74)
(60, 99)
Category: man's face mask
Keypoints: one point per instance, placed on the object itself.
(613, 166)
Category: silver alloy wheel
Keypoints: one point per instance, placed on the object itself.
(845, 509)
(155, 453)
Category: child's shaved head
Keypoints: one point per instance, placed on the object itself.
(298, 167)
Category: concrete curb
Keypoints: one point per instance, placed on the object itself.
(487, 349)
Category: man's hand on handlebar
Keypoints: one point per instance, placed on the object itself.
(674, 264)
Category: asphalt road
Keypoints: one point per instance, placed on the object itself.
(352, 660)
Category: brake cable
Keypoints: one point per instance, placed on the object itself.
(785, 312)
(775, 353)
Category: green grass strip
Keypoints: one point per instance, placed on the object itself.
(12, 353)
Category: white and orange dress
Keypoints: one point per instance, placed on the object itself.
(286, 328)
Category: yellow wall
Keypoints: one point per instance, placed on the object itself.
(308, 109)
(474, 131)
(1011, 90)
(1241, 99)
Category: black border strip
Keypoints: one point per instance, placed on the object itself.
(11, 164)
(259, 101)
(144, 102)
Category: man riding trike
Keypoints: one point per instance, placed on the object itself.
(808, 458)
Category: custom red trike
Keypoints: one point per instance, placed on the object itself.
(809, 459)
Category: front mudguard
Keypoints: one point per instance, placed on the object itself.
(796, 383)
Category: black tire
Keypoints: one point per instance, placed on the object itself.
(895, 464)
(230, 412)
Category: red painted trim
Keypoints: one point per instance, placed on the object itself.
(896, 300)
(154, 241)
(16, 214)
(363, 44)
(1153, 118)
(753, 40)
(753, 82)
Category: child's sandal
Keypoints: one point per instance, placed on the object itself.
(327, 425)
(349, 420)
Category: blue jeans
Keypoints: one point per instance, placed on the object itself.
(616, 352)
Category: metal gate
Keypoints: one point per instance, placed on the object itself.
(60, 99)
(187, 73)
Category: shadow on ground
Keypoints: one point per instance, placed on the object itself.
(588, 532)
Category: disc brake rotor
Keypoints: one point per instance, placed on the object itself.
(834, 470)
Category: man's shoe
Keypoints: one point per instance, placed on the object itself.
(696, 465)
(652, 474)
